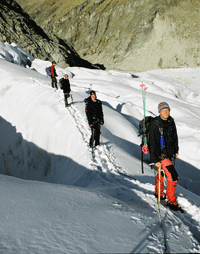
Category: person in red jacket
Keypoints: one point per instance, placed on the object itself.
(53, 75)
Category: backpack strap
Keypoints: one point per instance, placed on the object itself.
(160, 128)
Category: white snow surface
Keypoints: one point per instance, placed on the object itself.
(58, 197)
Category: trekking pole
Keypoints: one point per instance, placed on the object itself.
(159, 182)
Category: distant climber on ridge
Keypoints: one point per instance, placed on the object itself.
(53, 75)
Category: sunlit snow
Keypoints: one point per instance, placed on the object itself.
(58, 197)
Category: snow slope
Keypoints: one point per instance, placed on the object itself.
(62, 198)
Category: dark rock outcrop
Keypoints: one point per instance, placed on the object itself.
(17, 27)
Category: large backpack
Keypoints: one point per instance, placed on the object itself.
(61, 83)
(143, 131)
(48, 71)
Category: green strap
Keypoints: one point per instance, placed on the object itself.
(144, 108)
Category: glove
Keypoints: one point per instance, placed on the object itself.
(102, 122)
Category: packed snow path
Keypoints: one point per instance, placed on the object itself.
(103, 161)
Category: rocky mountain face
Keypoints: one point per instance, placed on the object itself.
(16, 26)
(134, 35)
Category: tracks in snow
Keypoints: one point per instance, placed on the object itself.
(102, 160)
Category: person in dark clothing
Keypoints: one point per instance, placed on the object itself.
(95, 116)
(65, 85)
(163, 146)
(53, 75)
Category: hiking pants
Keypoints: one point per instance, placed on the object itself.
(96, 128)
(54, 82)
(67, 95)
(172, 178)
